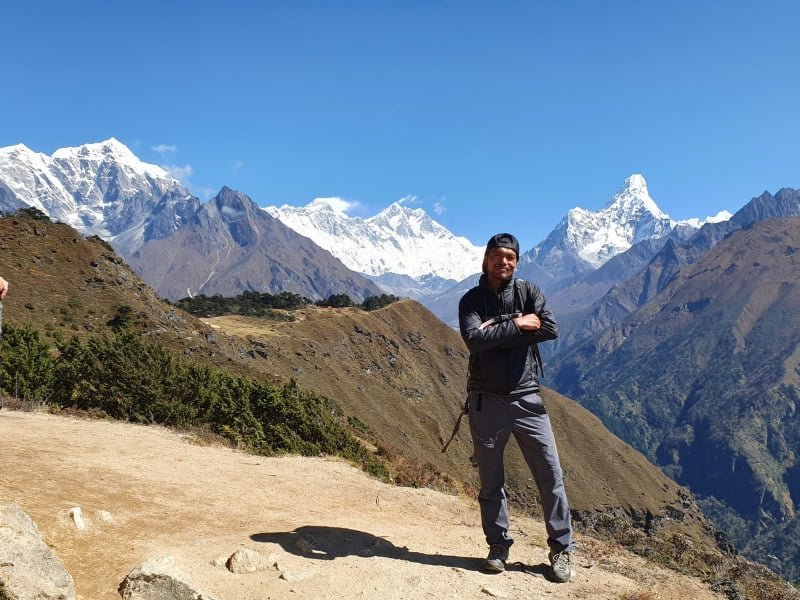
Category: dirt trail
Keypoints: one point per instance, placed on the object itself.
(333, 531)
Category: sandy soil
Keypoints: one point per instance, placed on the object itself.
(323, 528)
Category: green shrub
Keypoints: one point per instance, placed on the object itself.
(26, 369)
(130, 377)
(376, 302)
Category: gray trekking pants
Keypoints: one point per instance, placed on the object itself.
(492, 419)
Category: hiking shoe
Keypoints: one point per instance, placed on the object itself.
(496, 561)
(560, 566)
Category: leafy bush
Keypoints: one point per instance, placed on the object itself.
(376, 302)
(255, 304)
(337, 301)
(251, 304)
(31, 212)
(133, 378)
(27, 369)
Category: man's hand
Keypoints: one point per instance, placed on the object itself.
(3, 288)
(529, 322)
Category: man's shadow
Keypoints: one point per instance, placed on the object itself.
(327, 543)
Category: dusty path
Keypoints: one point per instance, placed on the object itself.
(333, 531)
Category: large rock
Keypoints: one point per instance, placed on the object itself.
(29, 570)
(157, 579)
(244, 560)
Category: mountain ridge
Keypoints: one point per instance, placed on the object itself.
(703, 378)
(397, 240)
(230, 245)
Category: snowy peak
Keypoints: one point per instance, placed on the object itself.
(634, 199)
(335, 205)
(399, 239)
(585, 240)
(408, 222)
(697, 223)
(109, 151)
(100, 189)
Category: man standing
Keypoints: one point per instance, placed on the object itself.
(501, 321)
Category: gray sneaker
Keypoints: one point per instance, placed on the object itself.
(560, 566)
(496, 561)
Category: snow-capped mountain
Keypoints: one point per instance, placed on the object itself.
(100, 189)
(398, 240)
(585, 240)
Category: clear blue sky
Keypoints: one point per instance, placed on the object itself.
(493, 115)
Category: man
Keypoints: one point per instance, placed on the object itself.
(502, 320)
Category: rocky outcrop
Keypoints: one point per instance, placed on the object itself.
(157, 579)
(29, 569)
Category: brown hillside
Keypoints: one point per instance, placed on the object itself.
(401, 372)
(398, 373)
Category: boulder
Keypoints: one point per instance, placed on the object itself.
(29, 569)
(244, 560)
(158, 579)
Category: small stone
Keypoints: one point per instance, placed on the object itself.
(105, 516)
(295, 575)
(77, 517)
(159, 579)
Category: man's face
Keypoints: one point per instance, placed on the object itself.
(500, 264)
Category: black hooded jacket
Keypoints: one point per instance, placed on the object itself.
(503, 358)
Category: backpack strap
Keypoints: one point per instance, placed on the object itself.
(521, 293)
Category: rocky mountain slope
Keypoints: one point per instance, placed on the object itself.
(589, 313)
(99, 189)
(703, 379)
(178, 244)
(230, 245)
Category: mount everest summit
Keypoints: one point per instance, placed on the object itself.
(402, 248)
